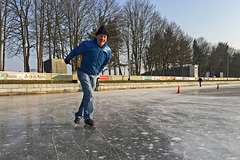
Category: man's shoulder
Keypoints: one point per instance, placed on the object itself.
(107, 49)
(88, 42)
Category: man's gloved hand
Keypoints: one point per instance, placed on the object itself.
(66, 61)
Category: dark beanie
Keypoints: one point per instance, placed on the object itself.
(102, 30)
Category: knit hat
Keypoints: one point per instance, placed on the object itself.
(102, 30)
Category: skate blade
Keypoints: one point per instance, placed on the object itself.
(88, 126)
(75, 125)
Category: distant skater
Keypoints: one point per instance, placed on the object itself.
(95, 55)
(200, 81)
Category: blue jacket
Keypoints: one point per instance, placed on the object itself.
(92, 57)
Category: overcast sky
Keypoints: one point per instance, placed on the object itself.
(215, 20)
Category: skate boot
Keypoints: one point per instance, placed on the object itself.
(76, 121)
(89, 122)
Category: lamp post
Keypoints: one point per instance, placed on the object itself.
(227, 66)
(129, 62)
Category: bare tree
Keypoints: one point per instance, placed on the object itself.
(115, 43)
(107, 12)
(6, 26)
(139, 14)
(78, 23)
(40, 7)
(218, 59)
(201, 52)
(49, 26)
(103, 12)
(169, 48)
(234, 63)
(153, 57)
(184, 51)
(21, 9)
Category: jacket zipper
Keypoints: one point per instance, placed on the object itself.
(98, 58)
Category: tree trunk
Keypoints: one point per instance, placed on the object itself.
(36, 34)
(1, 27)
(42, 21)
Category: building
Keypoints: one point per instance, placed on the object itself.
(55, 66)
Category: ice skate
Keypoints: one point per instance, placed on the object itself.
(77, 121)
(89, 122)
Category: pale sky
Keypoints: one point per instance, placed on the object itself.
(215, 20)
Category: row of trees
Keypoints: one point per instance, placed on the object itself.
(216, 58)
(138, 34)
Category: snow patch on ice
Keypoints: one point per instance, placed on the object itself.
(150, 146)
(142, 157)
(176, 139)
(231, 158)
(144, 133)
(101, 157)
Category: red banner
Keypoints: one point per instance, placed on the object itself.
(101, 77)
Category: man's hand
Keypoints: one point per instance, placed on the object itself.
(66, 61)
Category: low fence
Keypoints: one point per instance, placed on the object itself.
(34, 76)
(140, 85)
(164, 78)
(167, 81)
(56, 76)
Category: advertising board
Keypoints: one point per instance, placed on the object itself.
(26, 76)
(102, 77)
(1, 75)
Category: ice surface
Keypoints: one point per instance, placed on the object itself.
(146, 124)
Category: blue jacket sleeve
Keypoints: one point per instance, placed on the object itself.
(76, 51)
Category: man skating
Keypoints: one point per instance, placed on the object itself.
(94, 56)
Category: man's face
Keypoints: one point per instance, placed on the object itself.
(101, 39)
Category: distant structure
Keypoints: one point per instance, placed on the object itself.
(188, 70)
(194, 70)
(55, 66)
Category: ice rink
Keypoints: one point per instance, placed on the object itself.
(140, 124)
